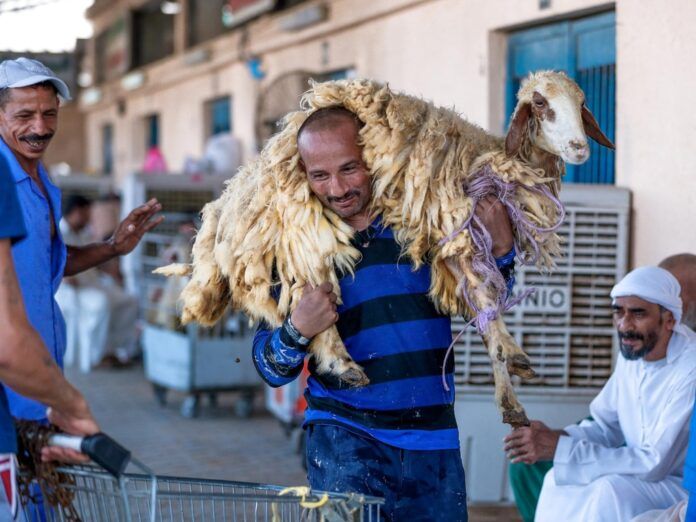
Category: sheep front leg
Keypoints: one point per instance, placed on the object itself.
(506, 356)
(517, 361)
(332, 358)
(505, 397)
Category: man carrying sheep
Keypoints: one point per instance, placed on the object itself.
(630, 458)
(397, 437)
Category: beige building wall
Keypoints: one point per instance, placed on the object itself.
(656, 124)
(68, 144)
(450, 51)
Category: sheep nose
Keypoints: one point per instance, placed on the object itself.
(578, 145)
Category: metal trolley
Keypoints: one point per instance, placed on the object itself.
(105, 496)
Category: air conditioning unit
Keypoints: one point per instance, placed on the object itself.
(565, 328)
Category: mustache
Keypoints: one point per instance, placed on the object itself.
(37, 137)
(345, 196)
(632, 336)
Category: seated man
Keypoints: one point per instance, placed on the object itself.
(630, 458)
(100, 317)
(526, 479)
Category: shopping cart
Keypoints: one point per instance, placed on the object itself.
(107, 493)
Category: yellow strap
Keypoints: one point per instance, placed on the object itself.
(302, 492)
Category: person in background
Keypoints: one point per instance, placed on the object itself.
(29, 107)
(526, 479)
(100, 316)
(683, 267)
(629, 458)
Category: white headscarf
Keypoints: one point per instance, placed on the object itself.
(652, 284)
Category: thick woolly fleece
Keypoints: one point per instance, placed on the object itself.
(422, 159)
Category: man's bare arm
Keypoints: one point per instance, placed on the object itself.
(127, 236)
(26, 366)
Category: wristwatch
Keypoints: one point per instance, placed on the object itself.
(294, 334)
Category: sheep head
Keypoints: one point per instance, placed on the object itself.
(551, 115)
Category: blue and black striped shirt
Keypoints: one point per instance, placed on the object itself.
(394, 332)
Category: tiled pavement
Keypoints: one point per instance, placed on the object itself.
(216, 445)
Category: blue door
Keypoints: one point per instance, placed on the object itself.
(586, 50)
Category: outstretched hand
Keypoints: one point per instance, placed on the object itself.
(130, 231)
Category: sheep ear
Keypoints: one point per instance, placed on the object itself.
(592, 128)
(517, 129)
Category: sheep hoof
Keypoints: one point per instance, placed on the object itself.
(520, 365)
(354, 377)
(516, 419)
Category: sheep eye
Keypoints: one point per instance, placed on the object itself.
(539, 103)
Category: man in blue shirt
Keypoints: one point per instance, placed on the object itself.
(29, 107)
(25, 364)
(397, 437)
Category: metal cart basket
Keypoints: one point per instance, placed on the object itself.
(100, 497)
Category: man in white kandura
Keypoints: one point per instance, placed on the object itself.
(630, 457)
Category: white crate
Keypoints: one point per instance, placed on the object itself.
(194, 359)
(187, 363)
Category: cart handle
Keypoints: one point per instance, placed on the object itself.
(101, 448)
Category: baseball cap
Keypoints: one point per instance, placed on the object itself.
(24, 72)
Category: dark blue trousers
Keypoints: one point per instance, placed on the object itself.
(416, 485)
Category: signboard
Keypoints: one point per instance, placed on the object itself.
(546, 299)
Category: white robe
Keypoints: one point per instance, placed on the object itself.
(100, 317)
(676, 513)
(647, 407)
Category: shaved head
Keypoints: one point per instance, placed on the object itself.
(328, 118)
(683, 267)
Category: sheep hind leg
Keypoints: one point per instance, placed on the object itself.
(517, 361)
(332, 358)
(505, 397)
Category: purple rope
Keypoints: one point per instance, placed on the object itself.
(509, 304)
(483, 262)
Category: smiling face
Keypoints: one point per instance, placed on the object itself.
(28, 121)
(337, 175)
(644, 328)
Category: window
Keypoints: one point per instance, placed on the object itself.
(108, 149)
(113, 51)
(152, 131)
(205, 20)
(586, 50)
(219, 115)
(153, 34)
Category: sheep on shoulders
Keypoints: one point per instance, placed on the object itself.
(429, 169)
